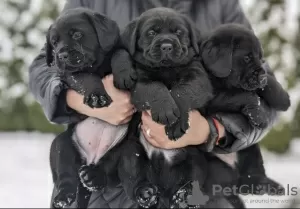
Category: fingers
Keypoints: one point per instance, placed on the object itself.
(156, 136)
(149, 138)
(127, 114)
(147, 120)
(109, 77)
(126, 120)
(129, 111)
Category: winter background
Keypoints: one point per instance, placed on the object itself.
(25, 134)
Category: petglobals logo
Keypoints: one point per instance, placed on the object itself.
(255, 190)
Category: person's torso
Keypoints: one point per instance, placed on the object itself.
(207, 14)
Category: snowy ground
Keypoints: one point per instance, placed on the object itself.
(25, 179)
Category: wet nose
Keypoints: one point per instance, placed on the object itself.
(166, 48)
(63, 56)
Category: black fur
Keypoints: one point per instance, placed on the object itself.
(232, 54)
(166, 77)
(170, 84)
(79, 45)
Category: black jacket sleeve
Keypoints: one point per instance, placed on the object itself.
(240, 134)
(46, 86)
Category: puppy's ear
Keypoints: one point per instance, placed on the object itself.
(194, 34)
(129, 36)
(49, 49)
(217, 59)
(107, 30)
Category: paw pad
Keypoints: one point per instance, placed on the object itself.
(147, 196)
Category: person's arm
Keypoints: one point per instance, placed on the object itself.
(232, 12)
(239, 133)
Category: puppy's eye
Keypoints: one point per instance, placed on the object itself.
(247, 58)
(151, 33)
(77, 35)
(178, 32)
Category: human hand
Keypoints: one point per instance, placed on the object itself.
(118, 112)
(197, 134)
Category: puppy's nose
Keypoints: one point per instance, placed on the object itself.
(166, 47)
(63, 56)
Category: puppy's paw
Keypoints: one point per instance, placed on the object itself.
(177, 130)
(92, 177)
(126, 80)
(165, 114)
(64, 198)
(147, 195)
(188, 197)
(96, 100)
(257, 117)
(179, 199)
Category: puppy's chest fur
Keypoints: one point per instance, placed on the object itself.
(169, 76)
(223, 84)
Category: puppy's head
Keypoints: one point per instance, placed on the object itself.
(235, 53)
(79, 39)
(161, 37)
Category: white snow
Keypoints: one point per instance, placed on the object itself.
(25, 178)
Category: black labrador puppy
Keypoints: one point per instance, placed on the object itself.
(167, 78)
(79, 45)
(233, 56)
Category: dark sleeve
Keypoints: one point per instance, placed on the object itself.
(232, 12)
(240, 134)
(46, 86)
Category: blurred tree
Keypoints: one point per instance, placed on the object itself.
(24, 28)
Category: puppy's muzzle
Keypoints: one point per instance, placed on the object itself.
(256, 79)
(166, 48)
(71, 57)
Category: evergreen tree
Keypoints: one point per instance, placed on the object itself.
(24, 29)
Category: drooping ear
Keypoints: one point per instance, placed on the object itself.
(194, 34)
(217, 59)
(49, 49)
(107, 30)
(129, 36)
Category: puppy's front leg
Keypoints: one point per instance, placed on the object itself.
(247, 103)
(125, 76)
(275, 96)
(91, 87)
(231, 101)
(156, 97)
(193, 91)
